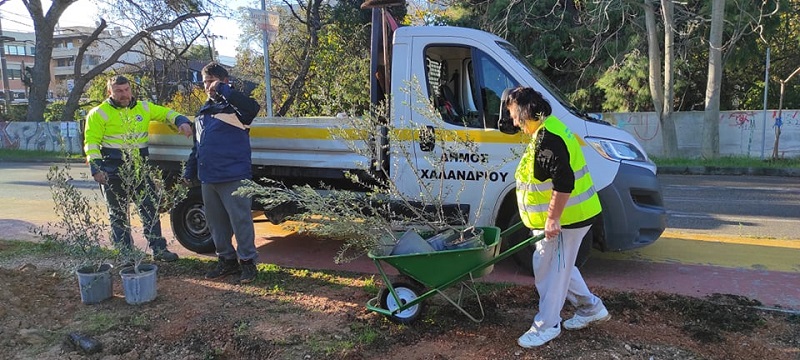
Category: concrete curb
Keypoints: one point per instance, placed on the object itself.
(712, 170)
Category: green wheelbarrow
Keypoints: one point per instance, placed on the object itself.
(402, 302)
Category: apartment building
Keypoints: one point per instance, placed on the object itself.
(19, 49)
(67, 41)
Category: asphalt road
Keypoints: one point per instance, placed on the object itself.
(745, 206)
(759, 207)
(727, 234)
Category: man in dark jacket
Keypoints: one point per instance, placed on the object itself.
(220, 159)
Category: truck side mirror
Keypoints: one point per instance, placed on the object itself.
(505, 123)
(427, 138)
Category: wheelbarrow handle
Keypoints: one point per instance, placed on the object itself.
(512, 229)
(510, 251)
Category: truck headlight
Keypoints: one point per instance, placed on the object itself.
(616, 150)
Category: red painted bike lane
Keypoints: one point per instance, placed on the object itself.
(772, 288)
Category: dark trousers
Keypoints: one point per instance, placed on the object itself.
(118, 213)
(229, 215)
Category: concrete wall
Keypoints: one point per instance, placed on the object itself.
(45, 136)
(740, 133)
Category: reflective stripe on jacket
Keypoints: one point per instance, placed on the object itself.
(533, 196)
(111, 129)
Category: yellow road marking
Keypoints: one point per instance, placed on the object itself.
(728, 239)
(742, 253)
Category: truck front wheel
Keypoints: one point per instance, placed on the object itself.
(524, 257)
(189, 225)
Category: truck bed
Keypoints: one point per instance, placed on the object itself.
(275, 142)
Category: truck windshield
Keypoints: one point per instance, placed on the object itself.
(544, 81)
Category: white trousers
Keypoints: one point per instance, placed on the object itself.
(558, 279)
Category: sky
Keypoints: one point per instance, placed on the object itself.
(15, 18)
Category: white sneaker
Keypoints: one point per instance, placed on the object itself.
(533, 337)
(579, 322)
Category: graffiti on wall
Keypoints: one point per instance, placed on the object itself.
(645, 126)
(789, 118)
(747, 120)
(42, 136)
(743, 120)
(741, 132)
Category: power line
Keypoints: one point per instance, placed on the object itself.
(15, 14)
(27, 26)
(19, 22)
(27, 22)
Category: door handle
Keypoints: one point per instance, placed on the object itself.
(427, 138)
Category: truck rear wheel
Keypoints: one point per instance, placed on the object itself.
(524, 257)
(189, 225)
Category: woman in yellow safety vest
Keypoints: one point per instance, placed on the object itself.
(555, 194)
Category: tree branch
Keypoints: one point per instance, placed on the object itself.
(294, 14)
(97, 70)
(85, 45)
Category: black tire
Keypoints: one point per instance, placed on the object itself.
(524, 257)
(188, 220)
(406, 293)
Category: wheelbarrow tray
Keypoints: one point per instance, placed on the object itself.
(438, 268)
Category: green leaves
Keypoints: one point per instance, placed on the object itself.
(626, 85)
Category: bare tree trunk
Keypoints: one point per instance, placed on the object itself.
(653, 52)
(780, 113)
(44, 27)
(662, 94)
(710, 146)
(313, 21)
(669, 138)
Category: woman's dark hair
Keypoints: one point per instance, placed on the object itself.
(215, 69)
(531, 103)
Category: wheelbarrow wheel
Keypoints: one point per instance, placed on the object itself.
(406, 294)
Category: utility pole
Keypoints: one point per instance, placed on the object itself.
(6, 90)
(213, 48)
(213, 37)
(766, 91)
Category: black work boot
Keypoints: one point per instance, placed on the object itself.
(224, 267)
(249, 271)
(164, 255)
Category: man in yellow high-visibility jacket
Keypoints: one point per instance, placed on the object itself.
(556, 195)
(118, 124)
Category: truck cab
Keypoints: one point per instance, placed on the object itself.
(465, 71)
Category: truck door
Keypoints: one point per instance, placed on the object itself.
(459, 156)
